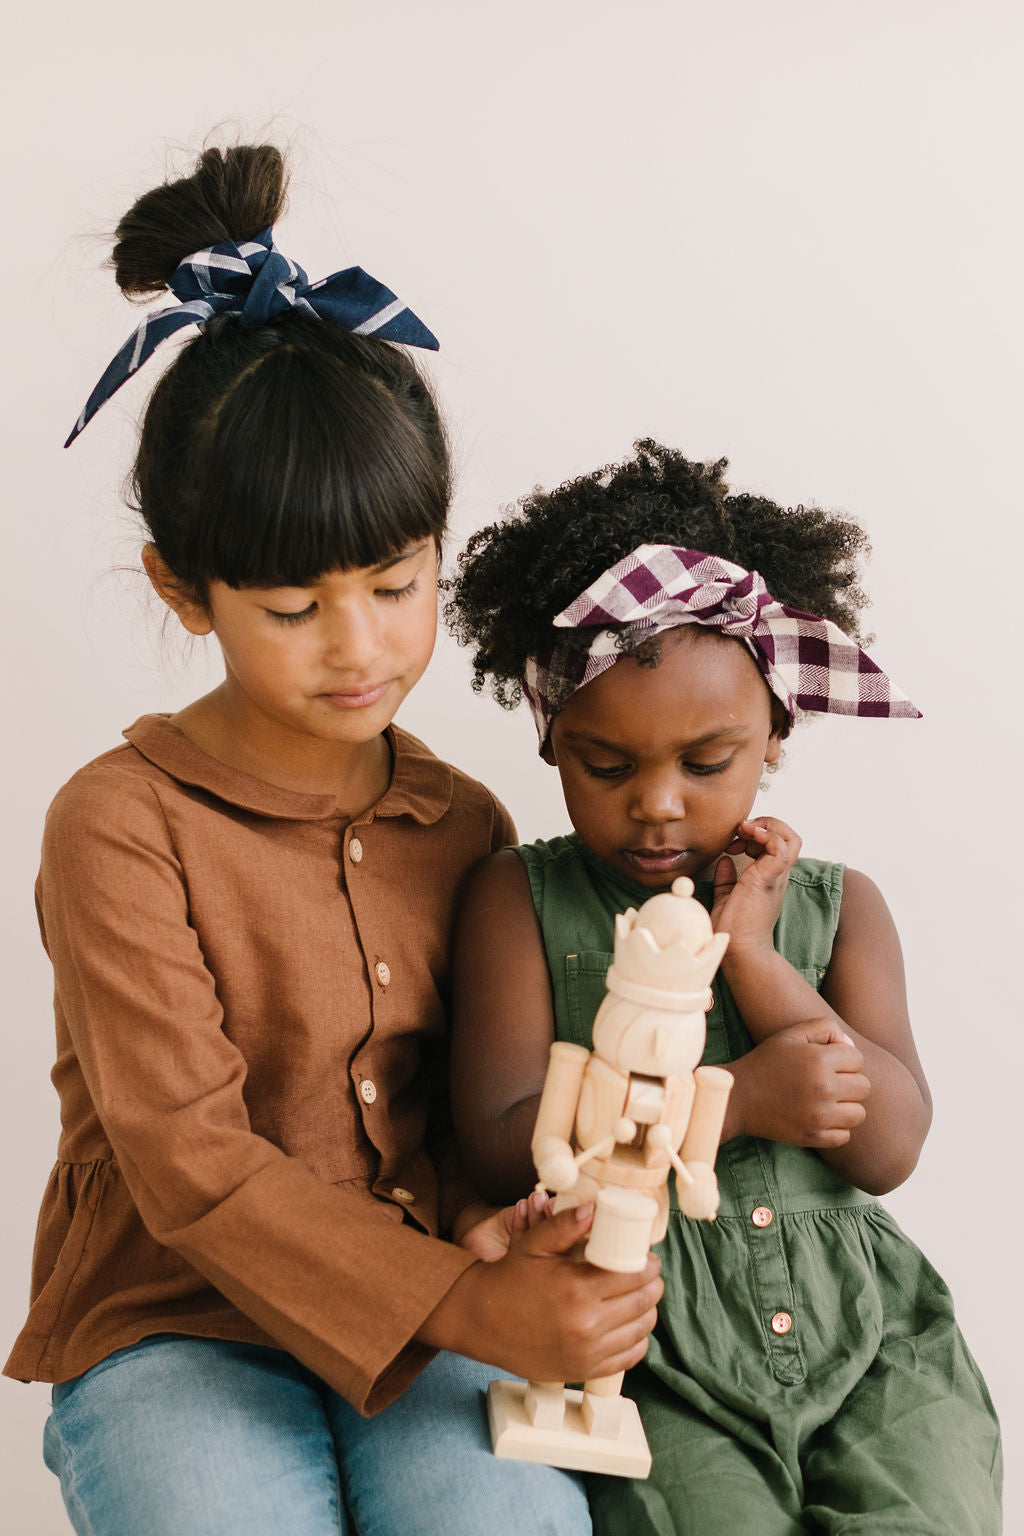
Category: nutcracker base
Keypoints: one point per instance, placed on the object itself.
(570, 1446)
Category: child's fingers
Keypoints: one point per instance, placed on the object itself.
(826, 1031)
(519, 1221)
(538, 1208)
(562, 1232)
(835, 1126)
(636, 1285)
(766, 836)
(773, 824)
(828, 1141)
(849, 1116)
(843, 1056)
(852, 1087)
(626, 1346)
(725, 874)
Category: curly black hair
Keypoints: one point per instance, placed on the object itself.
(516, 575)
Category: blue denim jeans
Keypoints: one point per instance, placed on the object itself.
(179, 1436)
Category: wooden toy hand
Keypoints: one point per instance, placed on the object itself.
(699, 1199)
(696, 1183)
(803, 1085)
(747, 906)
(491, 1238)
(557, 1168)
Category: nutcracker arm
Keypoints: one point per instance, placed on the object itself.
(707, 1117)
(551, 1149)
(661, 1137)
(696, 1184)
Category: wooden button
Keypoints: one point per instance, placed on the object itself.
(405, 1195)
(368, 1091)
(382, 972)
(355, 850)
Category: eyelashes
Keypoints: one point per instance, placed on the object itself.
(397, 593)
(700, 770)
(389, 594)
(293, 618)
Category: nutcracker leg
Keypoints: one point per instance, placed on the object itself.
(620, 1239)
(596, 1430)
(601, 1408)
(544, 1402)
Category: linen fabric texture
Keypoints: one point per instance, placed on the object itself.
(251, 1061)
(807, 662)
(254, 280)
(866, 1412)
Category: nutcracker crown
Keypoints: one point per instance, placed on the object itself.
(668, 945)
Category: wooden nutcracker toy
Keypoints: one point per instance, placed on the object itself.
(611, 1123)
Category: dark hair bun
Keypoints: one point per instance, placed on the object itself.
(231, 195)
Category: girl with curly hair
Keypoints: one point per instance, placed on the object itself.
(806, 1373)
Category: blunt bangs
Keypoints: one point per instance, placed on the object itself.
(273, 455)
(296, 482)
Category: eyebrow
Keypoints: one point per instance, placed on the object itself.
(726, 732)
(403, 554)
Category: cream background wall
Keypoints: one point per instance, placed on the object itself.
(788, 233)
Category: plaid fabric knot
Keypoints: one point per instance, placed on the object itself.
(806, 661)
(254, 280)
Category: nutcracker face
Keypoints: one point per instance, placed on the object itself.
(633, 1038)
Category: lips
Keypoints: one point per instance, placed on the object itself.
(359, 697)
(656, 861)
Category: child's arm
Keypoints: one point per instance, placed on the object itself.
(835, 1070)
(502, 1029)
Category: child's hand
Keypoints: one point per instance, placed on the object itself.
(803, 1085)
(491, 1238)
(747, 907)
(541, 1314)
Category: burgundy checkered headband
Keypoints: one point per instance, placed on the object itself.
(807, 662)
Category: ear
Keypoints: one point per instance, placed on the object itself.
(180, 599)
(547, 752)
(774, 747)
(780, 724)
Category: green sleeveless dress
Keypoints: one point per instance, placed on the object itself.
(807, 1373)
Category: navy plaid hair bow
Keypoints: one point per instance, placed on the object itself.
(254, 281)
(807, 661)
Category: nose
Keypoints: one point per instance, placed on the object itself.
(353, 639)
(657, 798)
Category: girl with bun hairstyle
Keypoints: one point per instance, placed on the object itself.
(240, 1289)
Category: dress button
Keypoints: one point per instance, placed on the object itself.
(368, 1091)
(782, 1322)
(761, 1216)
(405, 1195)
(355, 850)
(383, 972)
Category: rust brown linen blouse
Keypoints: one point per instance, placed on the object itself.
(251, 1010)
